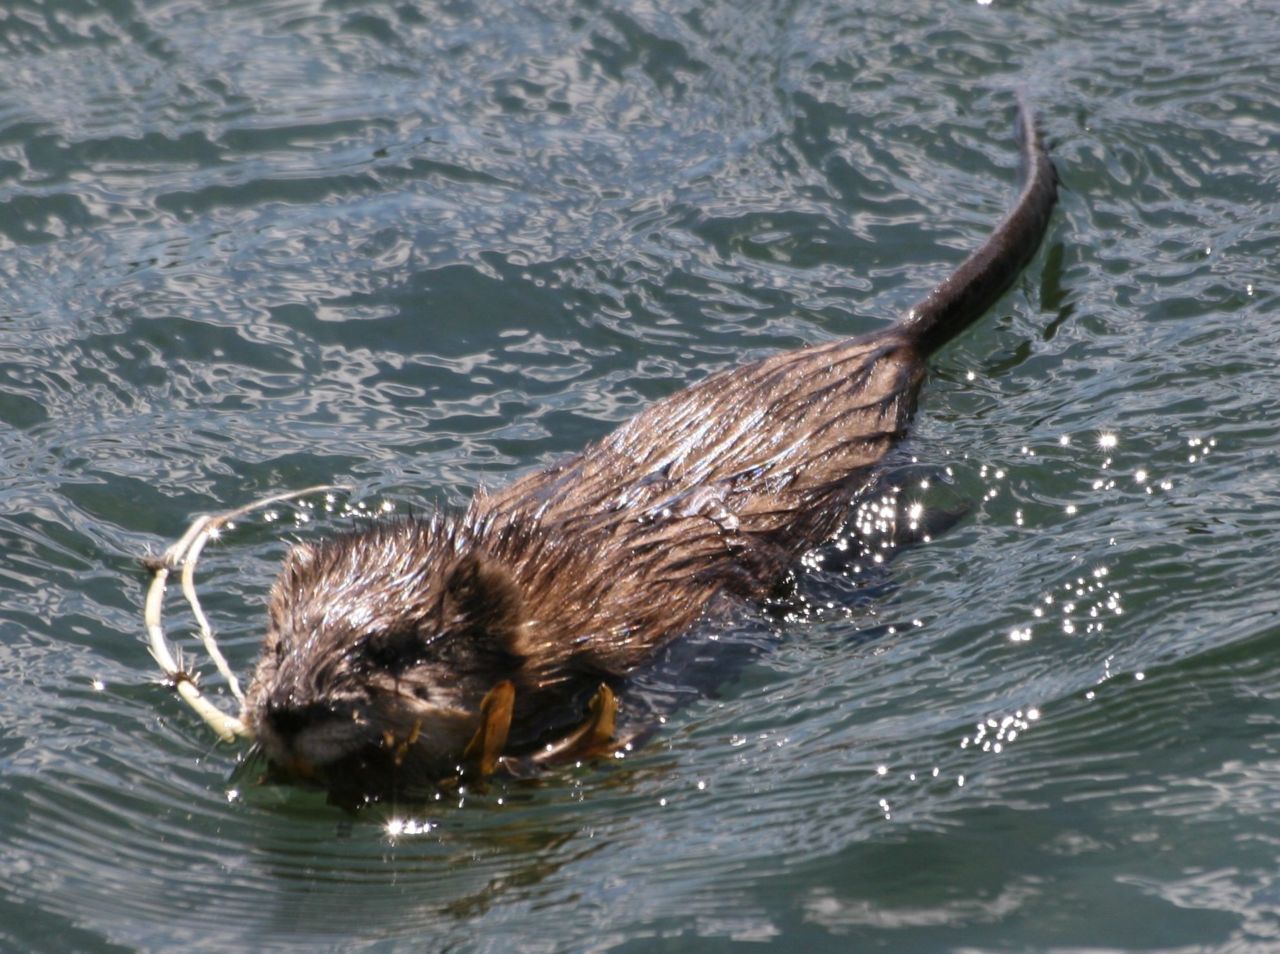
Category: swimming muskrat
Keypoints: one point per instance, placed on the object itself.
(408, 652)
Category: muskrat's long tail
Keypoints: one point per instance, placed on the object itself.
(976, 284)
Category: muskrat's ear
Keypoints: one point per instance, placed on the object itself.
(481, 598)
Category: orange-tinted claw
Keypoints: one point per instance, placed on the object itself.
(602, 715)
(400, 747)
(485, 748)
(593, 737)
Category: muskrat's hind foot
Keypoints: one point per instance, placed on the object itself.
(595, 737)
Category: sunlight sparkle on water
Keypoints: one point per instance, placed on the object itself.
(400, 827)
(1086, 601)
(992, 734)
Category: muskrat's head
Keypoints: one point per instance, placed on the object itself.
(382, 647)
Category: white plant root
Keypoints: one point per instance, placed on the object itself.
(183, 556)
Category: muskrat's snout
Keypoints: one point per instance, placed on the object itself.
(287, 721)
(378, 739)
(306, 734)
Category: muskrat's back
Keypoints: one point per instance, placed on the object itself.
(718, 488)
(393, 652)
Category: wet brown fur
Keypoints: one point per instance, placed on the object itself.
(382, 642)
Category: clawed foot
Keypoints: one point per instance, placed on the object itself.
(595, 737)
(483, 752)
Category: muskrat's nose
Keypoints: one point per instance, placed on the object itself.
(287, 719)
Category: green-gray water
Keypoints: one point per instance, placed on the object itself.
(247, 247)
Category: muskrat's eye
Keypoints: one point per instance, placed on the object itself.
(395, 651)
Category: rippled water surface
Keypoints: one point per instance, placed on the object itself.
(417, 248)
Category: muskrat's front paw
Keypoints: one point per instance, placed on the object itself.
(481, 755)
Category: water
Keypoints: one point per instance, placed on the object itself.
(418, 248)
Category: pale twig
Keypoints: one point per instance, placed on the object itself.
(183, 555)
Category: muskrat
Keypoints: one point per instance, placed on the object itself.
(408, 652)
